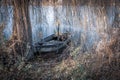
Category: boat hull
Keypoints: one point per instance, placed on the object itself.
(52, 43)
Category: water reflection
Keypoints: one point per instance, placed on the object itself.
(6, 16)
(86, 21)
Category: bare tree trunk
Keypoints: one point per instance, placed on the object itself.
(22, 34)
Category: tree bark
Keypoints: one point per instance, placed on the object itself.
(22, 33)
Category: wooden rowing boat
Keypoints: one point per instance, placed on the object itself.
(52, 43)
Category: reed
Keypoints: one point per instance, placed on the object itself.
(99, 61)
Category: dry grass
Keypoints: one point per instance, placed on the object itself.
(70, 65)
(103, 64)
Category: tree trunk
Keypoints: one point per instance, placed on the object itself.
(22, 34)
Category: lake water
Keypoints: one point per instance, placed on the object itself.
(83, 22)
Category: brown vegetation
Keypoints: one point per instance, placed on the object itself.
(101, 63)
